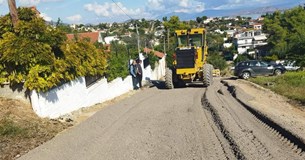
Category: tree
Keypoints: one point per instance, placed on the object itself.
(118, 62)
(204, 18)
(217, 61)
(199, 20)
(286, 34)
(39, 56)
(64, 27)
(13, 11)
(173, 24)
(215, 42)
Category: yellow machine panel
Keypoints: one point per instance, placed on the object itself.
(190, 63)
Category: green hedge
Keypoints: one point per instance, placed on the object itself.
(40, 56)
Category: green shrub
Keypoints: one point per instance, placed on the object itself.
(290, 84)
(118, 67)
(217, 61)
(242, 57)
(152, 60)
(39, 55)
(271, 58)
(10, 128)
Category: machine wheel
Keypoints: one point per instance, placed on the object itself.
(277, 72)
(211, 72)
(246, 75)
(207, 75)
(169, 79)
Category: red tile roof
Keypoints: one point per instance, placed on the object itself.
(33, 8)
(156, 53)
(93, 36)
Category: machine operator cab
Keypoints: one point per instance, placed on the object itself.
(190, 49)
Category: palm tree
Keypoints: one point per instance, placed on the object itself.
(13, 11)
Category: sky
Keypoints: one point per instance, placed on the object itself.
(102, 11)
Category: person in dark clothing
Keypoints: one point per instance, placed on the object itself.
(133, 73)
(139, 73)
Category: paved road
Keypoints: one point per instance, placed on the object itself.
(153, 124)
(187, 123)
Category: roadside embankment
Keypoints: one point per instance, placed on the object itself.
(270, 105)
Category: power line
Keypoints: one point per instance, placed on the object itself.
(122, 10)
(138, 38)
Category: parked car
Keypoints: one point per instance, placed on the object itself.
(253, 68)
(291, 66)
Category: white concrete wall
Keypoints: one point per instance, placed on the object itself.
(18, 93)
(75, 95)
(159, 71)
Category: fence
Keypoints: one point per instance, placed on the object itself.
(75, 95)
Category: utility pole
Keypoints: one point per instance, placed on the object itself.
(138, 38)
(164, 44)
(13, 11)
(168, 39)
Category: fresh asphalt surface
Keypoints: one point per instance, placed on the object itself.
(155, 123)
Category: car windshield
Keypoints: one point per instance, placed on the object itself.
(254, 63)
(264, 64)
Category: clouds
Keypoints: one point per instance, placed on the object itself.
(33, 2)
(232, 4)
(190, 6)
(28, 2)
(75, 18)
(112, 9)
(150, 9)
(156, 5)
(46, 17)
(184, 3)
(97, 11)
(52, 0)
(169, 6)
(200, 7)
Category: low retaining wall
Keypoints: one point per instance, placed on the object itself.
(18, 92)
(75, 95)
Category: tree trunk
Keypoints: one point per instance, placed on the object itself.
(13, 11)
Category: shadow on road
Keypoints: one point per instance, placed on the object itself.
(158, 84)
(161, 85)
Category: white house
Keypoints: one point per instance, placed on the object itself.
(249, 40)
(230, 33)
(109, 39)
(219, 31)
(256, 26)
(208, 20)
(227, 45)
(159, 33)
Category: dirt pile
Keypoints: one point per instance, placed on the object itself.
(22, 130)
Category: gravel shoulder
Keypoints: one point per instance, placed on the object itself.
(272, 105)
(247, 133)
(22, 130)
